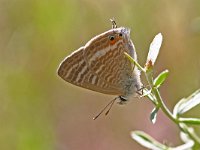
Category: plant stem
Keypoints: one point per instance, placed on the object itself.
(134, 62)
(149, 76)
(183, 127)
(161, 104)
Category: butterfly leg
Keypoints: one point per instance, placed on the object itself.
(123, 100)
(140, 91)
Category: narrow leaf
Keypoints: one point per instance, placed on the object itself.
(190, 120)
(147, 141)
(161, 78)
(185, 137)
(154, 115)
(189, 131)
(188, 103)
(188, 142)
(177, 107)
(154, 49)
(186, 146)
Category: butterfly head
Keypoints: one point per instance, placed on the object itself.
(117, 34)
(111, 37)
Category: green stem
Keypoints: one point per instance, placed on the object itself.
(134, 62)
(149, 76)
(161, 104)
(183, 127)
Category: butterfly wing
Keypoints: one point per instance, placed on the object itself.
(106, 58)
(74, 69)
(102, 66)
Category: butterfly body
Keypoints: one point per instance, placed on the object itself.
(101, 65)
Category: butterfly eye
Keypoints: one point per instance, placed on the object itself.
(111, 37)
(120, 34)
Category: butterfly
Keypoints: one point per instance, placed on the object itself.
(102, 66)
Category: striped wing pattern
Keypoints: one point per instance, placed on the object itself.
(74, 70)
(109, 63)
(100, 65)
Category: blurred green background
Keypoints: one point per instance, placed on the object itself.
(38, 111)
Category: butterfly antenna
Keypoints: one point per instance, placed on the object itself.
(109, 104)
(114, 24)
(113, 101)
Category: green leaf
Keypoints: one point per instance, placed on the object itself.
(147, 141)
(187, 146)
(186, 104)
(154, 115)
(150, 143)
(190, 120)
(176, 108)
(185, 137)
(154, 49)
(161, 78)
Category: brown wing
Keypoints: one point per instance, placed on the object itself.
(75, 70)
(108, 61)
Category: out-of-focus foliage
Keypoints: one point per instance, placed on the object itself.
(38, 111)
